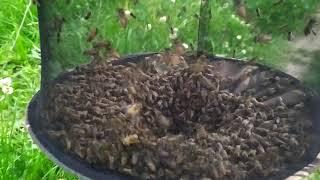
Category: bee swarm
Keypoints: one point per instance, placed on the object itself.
(177, 122)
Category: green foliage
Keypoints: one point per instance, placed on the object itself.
(229, 35)
(315, 176)
(281, 16)
(136, 38)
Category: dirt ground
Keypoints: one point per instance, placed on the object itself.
(304, 57)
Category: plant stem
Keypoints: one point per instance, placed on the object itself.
(21, 24)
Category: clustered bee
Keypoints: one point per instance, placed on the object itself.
(190, 121)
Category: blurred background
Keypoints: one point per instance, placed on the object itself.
(279, 33)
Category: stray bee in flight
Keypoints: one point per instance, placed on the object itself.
(88, 15)
(258, 11)
(290, 36)
(36, 2)
(240, 9)
(309, 28)
(263, 38)
(123, 16)
(92, 34)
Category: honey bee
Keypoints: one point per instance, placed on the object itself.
(36, 2)
(182, 11)
(290, 36)
(92, 34)
(173, 56)
(134, 110)
(258, 11)
(150, 164)
(237, 150)
(240, 9)
(263, 38)
(200, 64)
(258, 165)
(164, 121)
(134, 158)
(127, 170)
(242, 12)
(123, 16)
(114, 53)
(106, 45)
(58, 25)
(214, 172)
(261, 149)
(278, 3)
(102, 45)
(299, 106)
(88, 15)
(293, 141)
(309, 27)
(135, 2)
(67, 142)
(179, 49)
(124, 159)
(222, 167)
(234, 53)
(130, 140)
(91, 52)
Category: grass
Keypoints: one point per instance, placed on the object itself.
(20, 59)
(228, 34)
(315, 176)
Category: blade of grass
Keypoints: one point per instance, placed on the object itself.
(21, 24)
